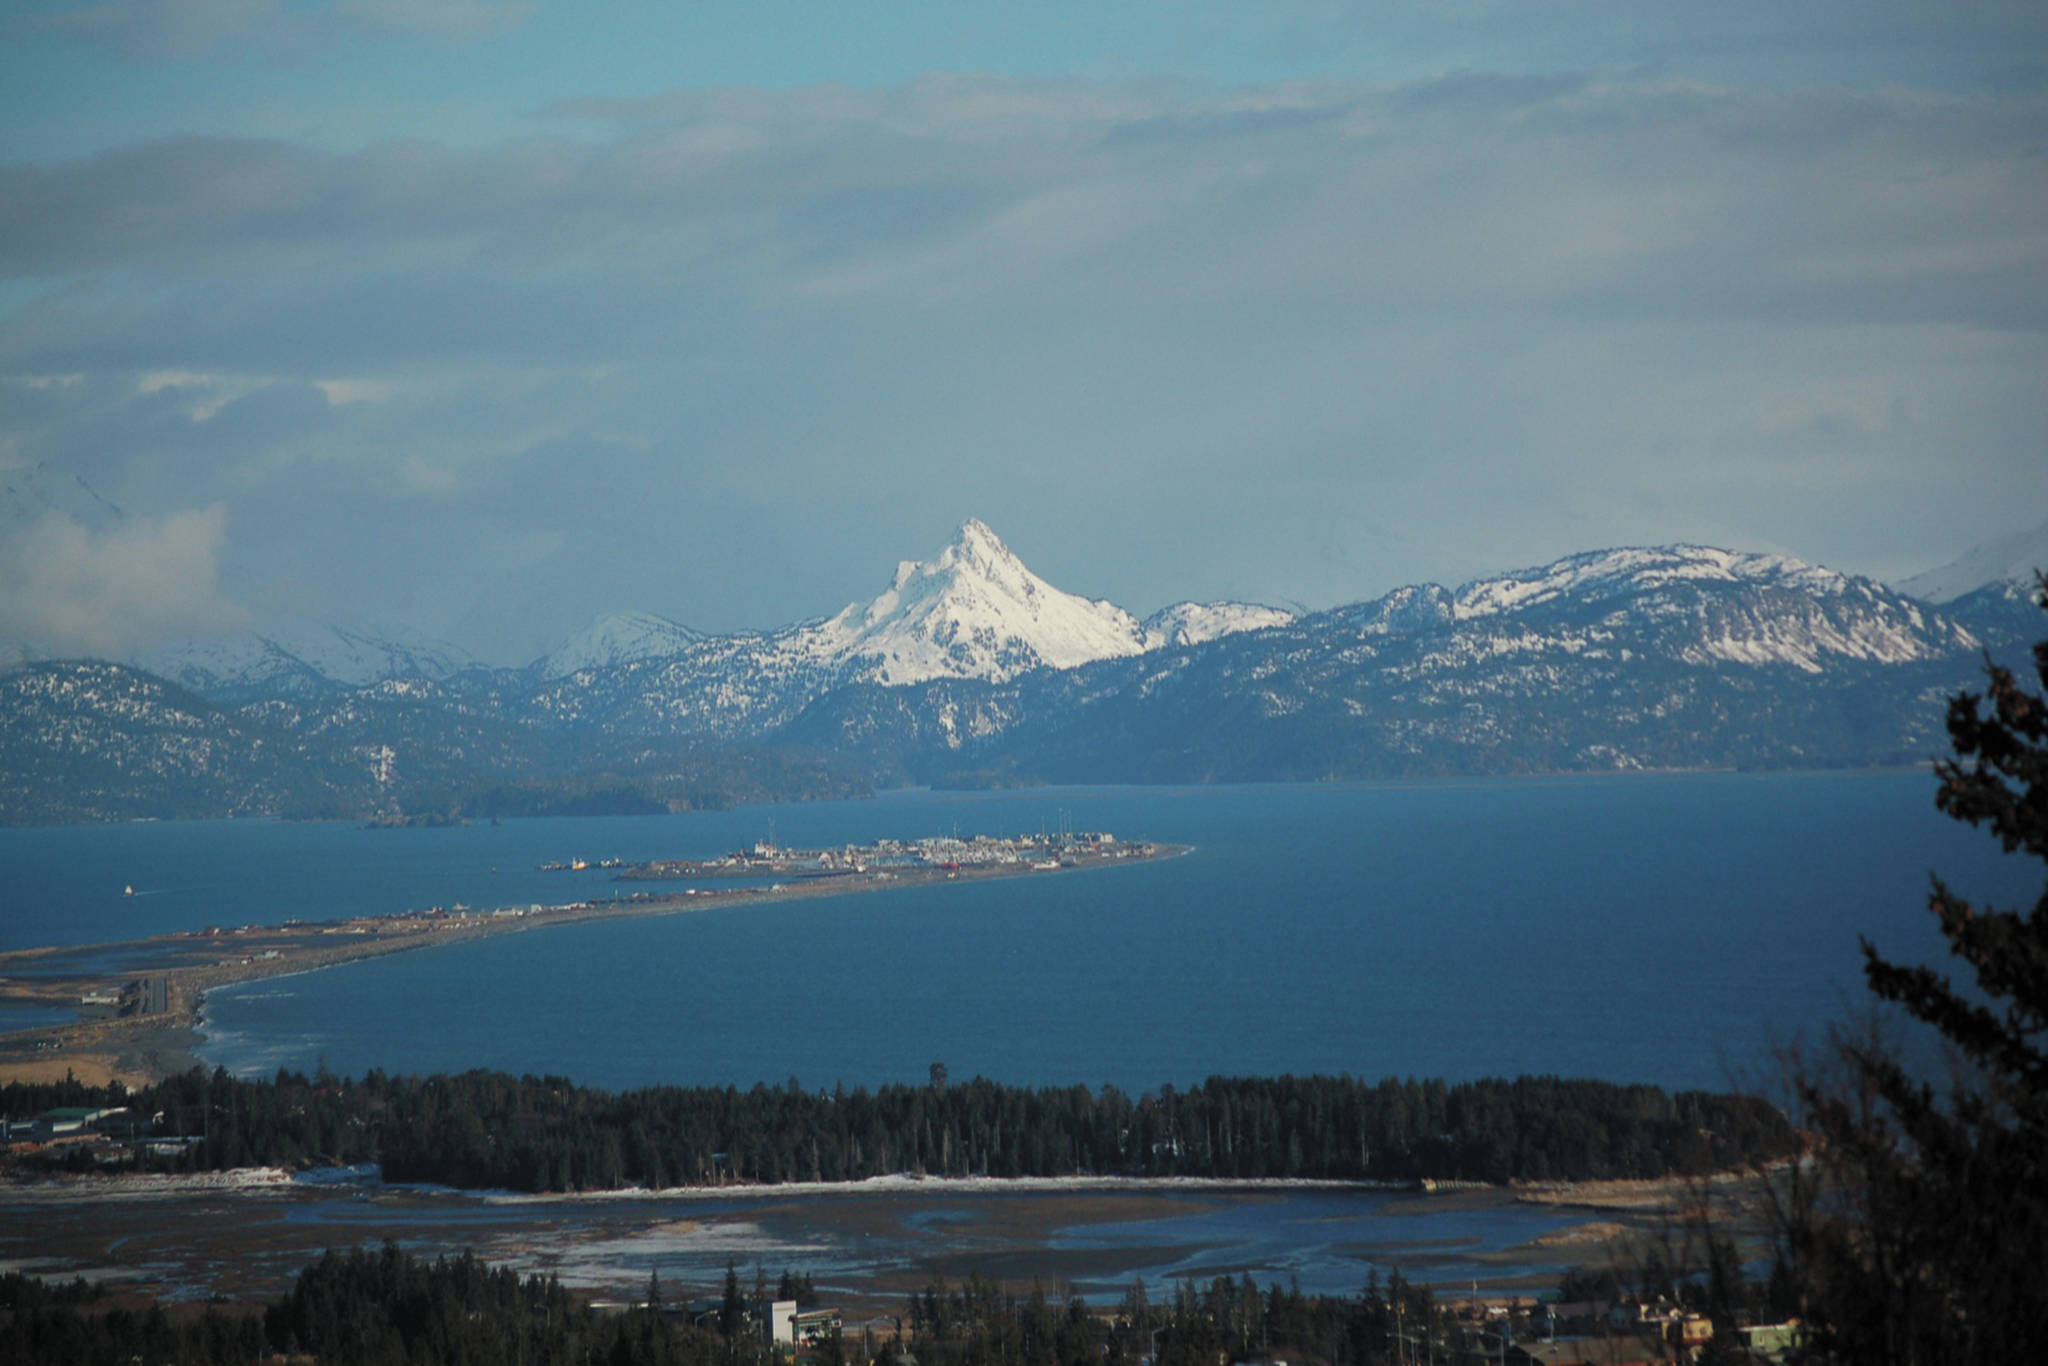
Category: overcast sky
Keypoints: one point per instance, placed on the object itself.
(483, 318)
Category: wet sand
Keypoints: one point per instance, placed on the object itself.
(184, 1240)
(247, 1235)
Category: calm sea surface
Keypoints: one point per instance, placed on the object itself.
(1668, 929)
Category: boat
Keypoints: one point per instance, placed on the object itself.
(128, 890)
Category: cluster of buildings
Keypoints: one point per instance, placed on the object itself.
(105, 1133)
(1656, 1333)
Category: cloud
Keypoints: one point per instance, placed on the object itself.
(1494, 319)
(1655, 200)
(66, 589)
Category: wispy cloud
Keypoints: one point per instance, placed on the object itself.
(1652, 199)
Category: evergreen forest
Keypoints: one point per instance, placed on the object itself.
(489, 1130)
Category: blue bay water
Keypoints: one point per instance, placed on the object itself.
(1669, 929)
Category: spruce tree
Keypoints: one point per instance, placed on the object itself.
(1932, 1246)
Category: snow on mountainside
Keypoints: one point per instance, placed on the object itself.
(617, 638)
(1993, 592)
(1730, 606)
(1672, 657)
(303, 658)
(1665, 657)
(1606, 573)
(1195, 623)
(974, 612)
(1405, 611)
(2006, 563)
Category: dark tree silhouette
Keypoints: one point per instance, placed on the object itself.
(1927, 1239)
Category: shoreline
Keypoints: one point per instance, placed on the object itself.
(167, 976)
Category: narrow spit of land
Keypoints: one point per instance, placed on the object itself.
(147, 993)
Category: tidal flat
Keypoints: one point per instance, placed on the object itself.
(868, 1245)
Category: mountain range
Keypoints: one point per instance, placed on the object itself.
(970, 669)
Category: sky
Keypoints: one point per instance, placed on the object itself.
(478, 318)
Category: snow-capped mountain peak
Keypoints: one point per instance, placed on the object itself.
(977, 565)
(974, 611)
